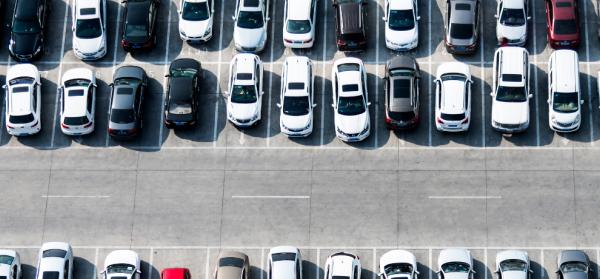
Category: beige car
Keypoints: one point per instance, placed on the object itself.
(232, 265)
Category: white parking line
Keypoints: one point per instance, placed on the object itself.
(463, 197)
(431, 75)
(375, 271)
(377, 17)
(589, 79)
(535, 76)
(270, 197)
(430, 256)
(60, 66)
(219, 91)
(542, 269)
(485, 260)
(150, 264)
(597, 263)
(323, 73)
(76, 197)
(318, 270)
(207, 267)
(95, 272)
(165, 81)
(262, 262)
(271, 91)
(483, 95)
(114, 62)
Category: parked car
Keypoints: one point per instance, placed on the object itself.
(513, 264)
(89, 29)
(27, 30)
(350, 99)
(77, 101)
(250, 26)
(244, 97)
(401, 86)
(55, 260)
(562, 20)
(183, 90)
(139, 27)
(564, 91)
(232, 265)
(342, 264)
(10, 265)
(296, 97)
(122, 264)
(23, 89)
(126, 102)
(511, 22)
(398, 264)
(401, 24)
(453, 97)
(462, 26)
(573, 264)
(175, 273)
(299, 20)
(455, 264)
(284, 262)
(196, 20)
(510, 90)
(350, 30)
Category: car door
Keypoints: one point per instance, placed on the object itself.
(283, 85)
(90, 101)
(103, 17)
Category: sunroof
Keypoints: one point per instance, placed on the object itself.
(87, 11)
(512, 77)
(462, 7)
(244, 76)
(251, 3)
(565, 4)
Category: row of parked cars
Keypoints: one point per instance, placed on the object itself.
(55, 261)
(511, 92)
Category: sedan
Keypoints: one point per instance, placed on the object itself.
(398, 264)
(573, 264)
(27, 29)
(455, 264)
(562, 20)
(401, 24)
(181, 104)
(77, 101)
(10, 265)
(401, 86)
(513, 264)
(122, 264)
(244, 97)
(511, 22)
(139, 28)
(55, 260)
(126, 102)
(296, 97)
(462, 26)
(89, 29)
(196, 20)
(232, 265)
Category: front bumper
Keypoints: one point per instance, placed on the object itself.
(510, 128)
(353, 137)
(401, 47)
(296, 133)
(90, 56)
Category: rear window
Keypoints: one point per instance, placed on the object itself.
(565, 26)
(284, 257)
(124, 91)
(76, 93)
(50, 275)
(56, 253)
(20, 89)
(296, 85)
(76, 121)
(512, 77)
(348, 67)
(244, 76)
(354, 37)
(462, 7)
(453, 117)
(21, 119)
(122, 116)
(402, 88)
(461, 31)
(231, 261)
(349, 87)
(563, 4)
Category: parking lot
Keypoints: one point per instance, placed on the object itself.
(179, 196)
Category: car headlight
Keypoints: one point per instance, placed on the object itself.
(182, 33)
(38, 49)
(254, 117)
(208, 30)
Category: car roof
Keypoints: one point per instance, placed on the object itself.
(244, 63)
(297, 71)
(137, 11)
(20, 103)
(341, 265)
(453, 96)
(75, 105)
(512, 63)
(401, 104)
(24, 11)
(401, 4)
(84, 8)
(350, 19)
(460, 15)
(349, 77)
(513, 4)
(173, 273)
(298, 9)
(123, 101)
(181, 88)
(565, 70)
(563, 12)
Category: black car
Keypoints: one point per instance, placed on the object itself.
(27, 30)
(181, 104)
(349, 25)
(401, 86)
(139, 30)
(126, 102)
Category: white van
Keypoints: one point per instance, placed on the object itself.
(564, 92)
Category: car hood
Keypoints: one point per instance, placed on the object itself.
(352, 124)
(514, 275)
(122, 257)
(243, 111)
(456, 275)
(118, 276)
(25, 43)
(564, 117)
(88, 45)
(248, 37)
(193, 28)
(575, 275)
(5, 270)
(396, 256)
(295, 122)
(401, 37)
(512, 32)
(510, 113)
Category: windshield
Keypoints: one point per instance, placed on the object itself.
(120, 268)
(231, 261)
(398, 268)
(565, 26)
(573, 267)
(122, 116)
(512, 17)
(455, 267)
(26, 27)
(452, 76)
(565, 102)
(180, 107)
(283, 257)
(243, 94)
(401, 20)
(513, 265)
(296, 106)
(4, 259)
(76, 121)
(88, 28)
(511, 94)
(461, 31)
(135, 30)
(77, 82)
(298, 26)
(351, 105)
(250, 20)
(183, 73)
(195, 11)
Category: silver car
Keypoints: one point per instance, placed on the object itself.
(462, 26)
(127, 96)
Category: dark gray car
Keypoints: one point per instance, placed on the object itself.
(462, 26)
(573, 264)
(127, 96)
(401, 86)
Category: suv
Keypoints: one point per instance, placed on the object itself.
(562, 20)
(349, 25)
(453, 97)
(297, 97)
(564, 92)
(299, 23)
(342, 265)
(23, 100)
(401, 86)
(511, 24)
(250, 27)
(89, 29)
(511, 91)
(27, 30)
(462, 26)
(244, 98)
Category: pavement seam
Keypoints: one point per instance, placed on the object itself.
(137, 174)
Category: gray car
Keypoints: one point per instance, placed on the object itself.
(573, 264)
(462, 26)
(232, 265)
(127, 96)
(401, 86)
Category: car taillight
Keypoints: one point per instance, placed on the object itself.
(148, 43)
(388, 120)
(64, 125)
(111, 131)
(341, 42)
(466, 120)
(124, 43)
(471, 47)
(308, 41)
(10, 127)
(88, 125)
(439, 120)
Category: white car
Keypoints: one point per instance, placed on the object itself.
(122, 264)
(401, 24)
(453, 97)
(196, 20)
(299, 23)
(244, 97)
(511, 22)
(455, 264)
(23, 100)
(398, 264)
(55, 260)
(89, 29)
(342, 264)
(350, 99)
(250, 25)
(296, 97)
(285, 262)
(510, 90)
(10, 265)
(513, 264)
(77, 101)
(564, 91)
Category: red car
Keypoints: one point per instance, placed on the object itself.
(562, 20)
(175, 273)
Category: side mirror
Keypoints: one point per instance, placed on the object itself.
(531, 271)
(383, 18)
(582, 101)
(225, 93)
(4, 86)
(548, 101)
(530, 96)
(262, 92)
(268, 18)
(102, 272)
(492, 94)
(417, 272)
(111, 85)
(233, 17)
(314, 105)
(138, 271)
(333, 105)
(278, 105)
(368, 103)
(557, 271)
(496, 16)
(529, 18)
(418, 17)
